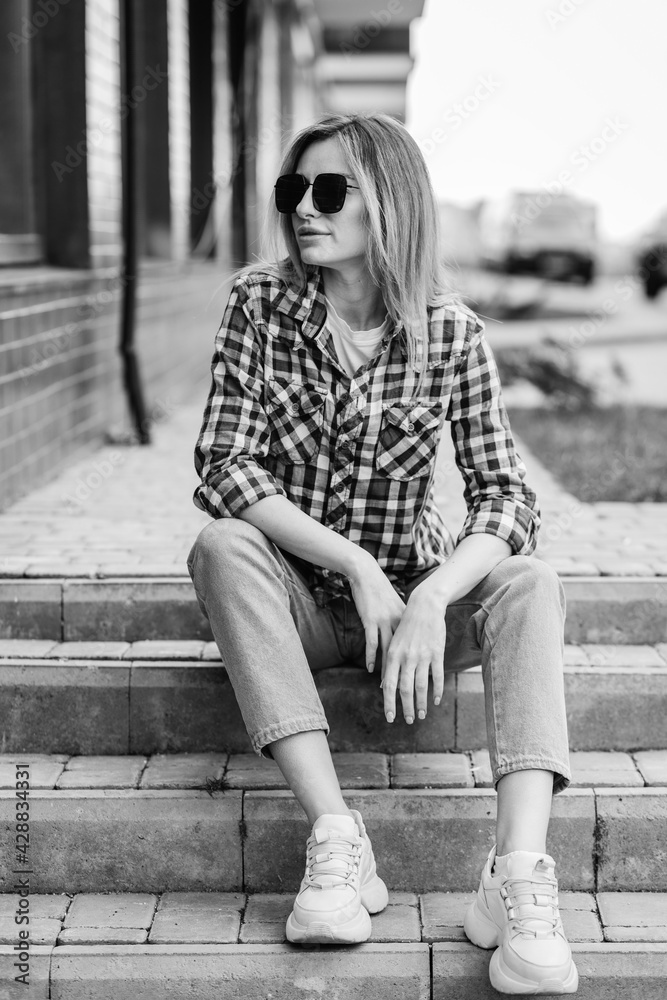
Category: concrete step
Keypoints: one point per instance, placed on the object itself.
(200, 823)
(169, 945)
(150, 696)
(600, 609)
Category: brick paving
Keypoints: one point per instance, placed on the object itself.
(231, 918)
(356, 770)
(127, 511)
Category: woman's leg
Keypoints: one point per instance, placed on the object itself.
(305, 762)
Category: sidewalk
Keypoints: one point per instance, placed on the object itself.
(128, 512)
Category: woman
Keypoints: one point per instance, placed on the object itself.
(333, 374)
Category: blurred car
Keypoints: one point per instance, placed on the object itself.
(536, 232)
(652, 257)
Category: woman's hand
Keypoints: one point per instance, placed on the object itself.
(379, 607)
(417, 649)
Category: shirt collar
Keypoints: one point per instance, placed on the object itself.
(308, 308)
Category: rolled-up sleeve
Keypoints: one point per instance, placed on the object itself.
(234, 435)
(498, 500)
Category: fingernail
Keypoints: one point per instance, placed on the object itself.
(437, 701)
(421, 713)
(409, 719)
(369, 667)
(390, 716)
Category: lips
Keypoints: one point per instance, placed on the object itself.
(309, 232)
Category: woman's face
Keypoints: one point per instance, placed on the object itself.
(340, 240)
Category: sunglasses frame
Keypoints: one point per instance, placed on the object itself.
(317, 194)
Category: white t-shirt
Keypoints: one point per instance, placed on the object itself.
(353, 347)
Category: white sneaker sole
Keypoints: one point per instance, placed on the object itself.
(374, 898)
(354, 931)
(507, 981)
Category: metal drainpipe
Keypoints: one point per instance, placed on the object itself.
(131, 373)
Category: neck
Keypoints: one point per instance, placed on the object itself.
(355, 298)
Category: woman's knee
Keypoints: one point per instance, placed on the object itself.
(225, 542)
(535, 576)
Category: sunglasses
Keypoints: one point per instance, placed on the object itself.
(329, 191)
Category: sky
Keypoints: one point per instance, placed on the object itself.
(529, 93)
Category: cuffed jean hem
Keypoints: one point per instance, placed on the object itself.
(561, 772)
(276, 732)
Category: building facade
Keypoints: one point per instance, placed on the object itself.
(141, 140)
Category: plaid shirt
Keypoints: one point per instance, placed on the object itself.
(357, 453)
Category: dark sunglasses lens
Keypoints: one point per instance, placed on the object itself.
(329, 192)
(290, 189)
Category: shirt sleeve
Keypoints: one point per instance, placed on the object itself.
(498, 500)
(235, 434)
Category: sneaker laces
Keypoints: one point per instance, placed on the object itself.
(337, 865)
(532, 903)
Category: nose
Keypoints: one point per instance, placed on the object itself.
(306, 206)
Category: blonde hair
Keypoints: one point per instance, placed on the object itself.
(404, 254)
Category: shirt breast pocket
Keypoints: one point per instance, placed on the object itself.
(295, 413)
(408, 439)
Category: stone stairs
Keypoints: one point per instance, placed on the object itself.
(164, 856)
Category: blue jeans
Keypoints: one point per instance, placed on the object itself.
(271, 635)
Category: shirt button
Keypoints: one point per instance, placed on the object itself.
(339, 487)
(411, 427)
(294, 408)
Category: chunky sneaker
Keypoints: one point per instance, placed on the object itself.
(341, 886)
(516, 911)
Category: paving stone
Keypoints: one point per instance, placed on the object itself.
(631, 847)
(102, 772)
(93, 909)
(176, 649)
(237, 972)
(42, 931)
(431, 770)
(615, 708)
(44, 770)
(129, 840)
(615, 611)
(406, 829)
(622, 656)
(398, 922)
(88, 650)
(649, 934)
(661, 650)
(183, 770)
(442, 915)
(481, 769)
(41, 907)
(201, 917)
(362, 770)
(60, 569)
(581, 925)
(132, 610)
(39, 967)
(210, 652)
(181, 709)
(248, 770)
(102, 935)
(633, 909)
(30, 610)
(622, 566)
(577, 901)
(574, 656)
(265, 917)
(652, 765)
(80, 709)
(25, 648)
(601, 769)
